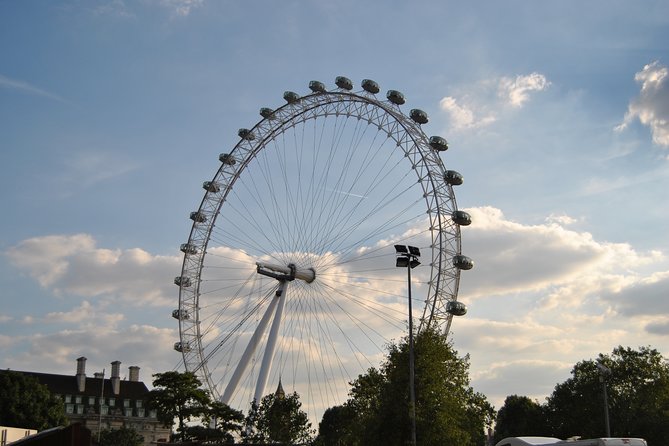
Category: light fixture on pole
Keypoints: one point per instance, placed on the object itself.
(407, 257)
(604, 371)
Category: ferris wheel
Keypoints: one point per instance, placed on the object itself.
(289, 272)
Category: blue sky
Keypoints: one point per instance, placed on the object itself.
(112, 113)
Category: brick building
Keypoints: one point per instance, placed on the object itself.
(100, 403)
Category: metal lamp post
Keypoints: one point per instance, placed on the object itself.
(407, 257)
(603, 372)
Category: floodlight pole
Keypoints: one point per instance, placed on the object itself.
(412, 389)
(408, 256)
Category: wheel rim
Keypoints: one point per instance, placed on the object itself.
(328, 182)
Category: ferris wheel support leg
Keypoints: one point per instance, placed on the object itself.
(271, 343)
(248, 353)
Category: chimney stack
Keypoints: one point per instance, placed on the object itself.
(133, 372)
(116, 377)
(81, 374)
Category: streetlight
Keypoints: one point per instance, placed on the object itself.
(407, 257)
(604, 371)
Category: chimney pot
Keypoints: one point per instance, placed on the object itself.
(133, 372)
(81, 374)
(116, 377)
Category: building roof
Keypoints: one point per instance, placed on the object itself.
(67, 385)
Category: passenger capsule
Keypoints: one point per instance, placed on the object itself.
(453, 178)
(180, 314)
(228, 159)
(456, 308)
(396, 97)
(182, 281)
(291, 96)
(418, 116)
(188, 248)
(246, 134)
(198, 217)
(317, 86)
(211, 186)
(344, 83)
(266, 112)
(181, 348)
(463, 262)
(438, 143)
(370, 86)
(462, 218)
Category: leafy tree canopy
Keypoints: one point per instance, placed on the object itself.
(520, 416)
(123, 436)
(26, 403)
(278, 419)
(448, 411)
(178, 395)
(638, 396)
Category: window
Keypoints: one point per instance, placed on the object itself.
(140, 412)
(104, 410)
(152, 413)
(91, 401)
(79, 409)
(69, 408)
(68, 398)
(127, 411)
(126, 403)
(112, 401)
(77, 399)
(138, 403)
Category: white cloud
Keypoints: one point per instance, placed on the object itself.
(23, 86)
(483, 103)
(182, 8)
(651, 107)
(516, 91)
(75, 265)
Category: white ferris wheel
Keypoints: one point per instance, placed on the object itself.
(289, 270)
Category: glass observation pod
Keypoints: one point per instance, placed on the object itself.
(418, 116)
(396, 97)
(291, 96)
(462, 218)
(317, 86)
(453, 178)
(463, 262)
(456, 308)
(370, 86)
(180, 314)
(438, 143)
(246, 134)
(211, 186)
(182, 281)
(188, 248)
(198, 217)
(266, 112)
(178, 346)
(344, 83)
(226, 158)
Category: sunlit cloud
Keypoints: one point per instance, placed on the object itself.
(483, 103)
(182, 8)
(651, 107)
(74, 265)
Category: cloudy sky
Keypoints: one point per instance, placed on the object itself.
(112, 113)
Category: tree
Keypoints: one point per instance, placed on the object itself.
(26, 403)
(520, 416)
(335, 429)
(178, 395)
(122, 436)
(638, 391)
(279, 419)
(220, 424)
(448, 411)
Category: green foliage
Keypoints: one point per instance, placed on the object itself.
(520, 416)
(336, 427)
(178, 395)
(278, 419)
(448, 411)
(26, 403)
(638, 390)
(123, 436)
